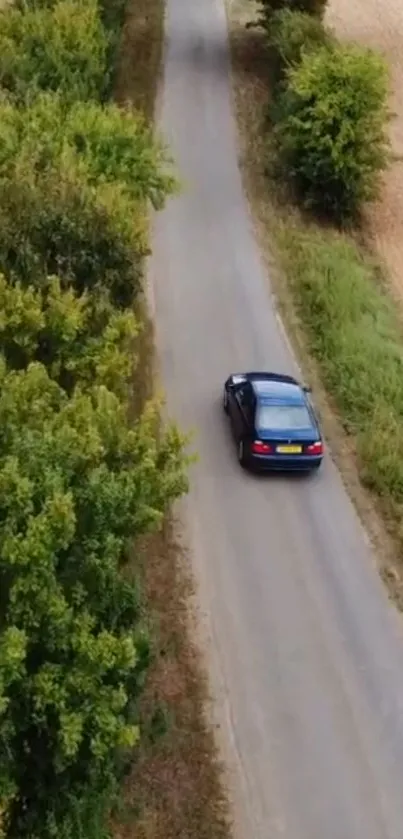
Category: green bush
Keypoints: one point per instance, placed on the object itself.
(77, 485)
(56, 223)
(111, 12)
(269, 8)
(111, 15)
(78, 339)
(290, 35)
(63, 48)
(331, 131)
(108, 144)
(354, 333)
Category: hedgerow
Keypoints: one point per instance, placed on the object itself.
(79, 480)
(77, 485)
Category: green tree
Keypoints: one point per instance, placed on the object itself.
(331, 130)
(75, 184)
(77, 485)
(78, 339)
(109, 144)
(111, 13)
(57, 223)
(63, 48)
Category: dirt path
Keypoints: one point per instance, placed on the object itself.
(379, 24)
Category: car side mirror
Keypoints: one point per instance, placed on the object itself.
(306, 389)
(236, 381)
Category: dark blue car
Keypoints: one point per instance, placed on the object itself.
(273, 422)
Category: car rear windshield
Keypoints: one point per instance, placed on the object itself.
(275, 417)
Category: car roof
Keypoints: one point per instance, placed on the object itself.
(284, 389)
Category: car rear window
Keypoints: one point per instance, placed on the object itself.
(275, 417)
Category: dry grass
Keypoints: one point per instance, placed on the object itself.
(139, 65)
(174, 790)
(275, 220)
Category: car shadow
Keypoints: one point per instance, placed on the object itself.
(280, 474)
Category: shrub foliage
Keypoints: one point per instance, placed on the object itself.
(82, 338)
(269, 8)
(331, 127)
(63, 48)
(56, 223)
(109, 145)
(74, 189)
(291, 34)
(79, 481)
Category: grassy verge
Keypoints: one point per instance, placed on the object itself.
(175, 787)
(140, 55)
(342, 323)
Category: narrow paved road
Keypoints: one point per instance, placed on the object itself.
(308, 650)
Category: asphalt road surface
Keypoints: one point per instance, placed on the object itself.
(307, 650)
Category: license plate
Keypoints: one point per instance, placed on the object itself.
(289, 449)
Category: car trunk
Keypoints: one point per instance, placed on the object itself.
(295, 437)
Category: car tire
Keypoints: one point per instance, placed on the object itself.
(241, 454)
(225, 401)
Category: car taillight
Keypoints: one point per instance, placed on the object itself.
(315, 448)
(258, 447)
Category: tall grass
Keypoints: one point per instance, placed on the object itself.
(354, 332)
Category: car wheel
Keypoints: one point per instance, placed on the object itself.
(241, 453)
(225, 401)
